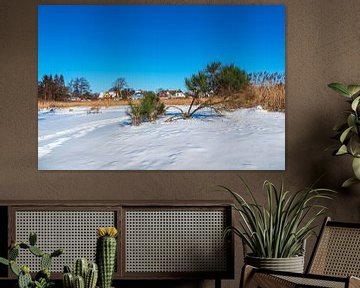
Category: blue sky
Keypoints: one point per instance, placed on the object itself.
(157, 46)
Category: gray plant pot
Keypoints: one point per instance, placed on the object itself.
(291, 264)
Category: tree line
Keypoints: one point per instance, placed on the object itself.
(53, 88)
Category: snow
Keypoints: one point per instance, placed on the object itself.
(244, 139)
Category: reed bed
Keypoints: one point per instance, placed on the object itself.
(268, 90)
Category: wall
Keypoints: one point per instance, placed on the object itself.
(323, 46)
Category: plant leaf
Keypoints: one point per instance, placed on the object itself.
(340, 88)
(345, 134)
(342, 150)
(355, 103)
(353, 89)
(349, 182)
(356, 167)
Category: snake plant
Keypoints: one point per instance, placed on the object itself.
(279, 228)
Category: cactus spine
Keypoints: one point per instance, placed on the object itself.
(106, 254)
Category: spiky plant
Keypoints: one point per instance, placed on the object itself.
(84, 273)
(106, 254)
(42, 278)
(279, 229)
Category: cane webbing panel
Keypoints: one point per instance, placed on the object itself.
(313, 282)
(175, 241)
(338, 252)
(75, 231)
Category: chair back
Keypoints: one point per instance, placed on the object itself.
(337, 251)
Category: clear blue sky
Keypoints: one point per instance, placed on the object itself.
(157, 46)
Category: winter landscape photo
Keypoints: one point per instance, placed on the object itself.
(161, 87)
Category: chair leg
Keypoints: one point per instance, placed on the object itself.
(246, 273)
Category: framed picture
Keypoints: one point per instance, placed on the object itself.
(161, 87)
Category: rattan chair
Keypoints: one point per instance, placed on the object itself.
(334, 263)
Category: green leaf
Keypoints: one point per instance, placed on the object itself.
(351, 120)
(345, 134)
(4, 261)
(342, 150)
(340, 88)
(355, 103)
(354, 146)
(349, 182)
(353, 89)
(356, 167)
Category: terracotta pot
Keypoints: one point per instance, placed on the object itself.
(291, 264)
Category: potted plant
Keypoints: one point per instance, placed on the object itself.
(42, 278)
(276, 233)
(348, 133)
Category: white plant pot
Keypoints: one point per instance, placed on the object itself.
(291, 264)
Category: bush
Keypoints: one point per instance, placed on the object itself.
(231, 79)
(148, 109)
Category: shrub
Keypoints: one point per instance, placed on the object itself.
(148, 109)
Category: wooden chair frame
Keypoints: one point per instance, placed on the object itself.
(255, 277)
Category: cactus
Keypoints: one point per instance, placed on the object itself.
(13, 253)
(80, 268)
(79, 282)
(24, 278)
(91, 276)
(89, 272)
(36, 251)
(45, 261)
(106, 254)
(68, 280)
(32, 239)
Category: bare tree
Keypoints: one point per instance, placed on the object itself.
(118, 85)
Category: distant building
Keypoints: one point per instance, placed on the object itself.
(137, 95)
(179, 94)
(107, 95)
(172, 93)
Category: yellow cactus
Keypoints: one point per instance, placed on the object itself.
(106, 231)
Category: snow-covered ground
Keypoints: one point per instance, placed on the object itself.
(246, 139)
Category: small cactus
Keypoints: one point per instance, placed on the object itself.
(89, 272)
(80, 268)
(91, 276)
(106, 254)
(79, 282)
(68, 280)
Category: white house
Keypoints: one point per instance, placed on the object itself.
(137, 95)
(107, 95)
(179, 94)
